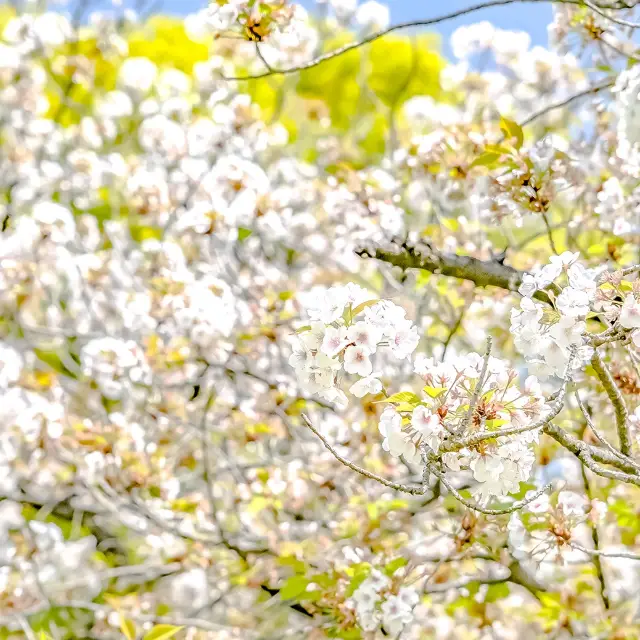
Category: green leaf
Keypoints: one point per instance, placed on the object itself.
(434, 392)
(403, 396)
(496, 148)
(550, 600)
(293, 587)
(391, 567)
(512, 130)
(162, 632)
(307, 327)
(362, 306)
(497, 592)
(550, 316)
(128, 628)
(140, 233)
(494, 424)
(291, 561)
(360, 573)
(487, 159)
(243, 233)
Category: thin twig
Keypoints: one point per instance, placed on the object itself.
(476, 507)
(314, 62)
(416, 491)
(567, 101)
(476, 392)
(601, 437)
(599, 11)
(606, 554)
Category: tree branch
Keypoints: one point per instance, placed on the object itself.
(476, 507)
(484, 273)
(617, 401)
(314, 62)
(590, 455)
(563, 103)
(416, 491)
(629, 462)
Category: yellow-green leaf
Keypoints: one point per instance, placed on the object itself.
(512, 131)
(434, 392)
(128, 628)
(293, 587)
(162, 632)
(362, 306)
(487, 159)
(549, 316)
(402, 397)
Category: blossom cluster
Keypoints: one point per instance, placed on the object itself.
(163, 227)
(347, 329)
(51, 567)
(552, 339)
(375, 604)
(546, 528)
(416, 426)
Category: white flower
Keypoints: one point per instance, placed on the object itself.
(396, 441)
(487, 468)
(137, 74)
(565, 259)
(409, 596)
(356, 360)
(377, 581)
(532, 386)
(10, 518)
(630, 313)
(343, 9)
(327, 305)
(574, 302)
(364, 334)
(11, 364)
(396, 614)
(222, 17)
(540, 505)
(386, 316)
(55, 220)
(115, 365)
(547, 274)
(452, 460)
(468, 40)
(314, 338)
(628, 109)
(334, 340)
(427, 424)
(319, 373)
(581, 278)
(370, 384)
(529, 285)
(404, 340)
(572, 504)
(300, 358)
(372, 16)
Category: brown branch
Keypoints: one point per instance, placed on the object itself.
(619, 406)
(591, 456)
(484, 273)
(629, 462)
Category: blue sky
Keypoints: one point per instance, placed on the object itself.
(530, 17)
